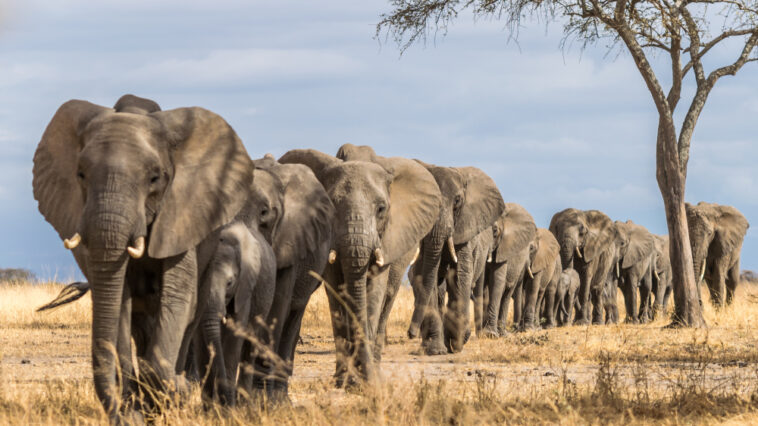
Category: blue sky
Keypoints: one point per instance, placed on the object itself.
(554, 128)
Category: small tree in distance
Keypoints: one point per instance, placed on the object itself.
(680, 30)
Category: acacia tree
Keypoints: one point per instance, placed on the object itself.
(678, 29)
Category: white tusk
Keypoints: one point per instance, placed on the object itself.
(379, 257)
(139, 248)
(529, 271)
(618, 272)
(702, 272)
(415, 256)
(451, 246)
(578, 253)
(655, 274)
(71, 243)
(332, 257)
(223, 320)
(489, 258)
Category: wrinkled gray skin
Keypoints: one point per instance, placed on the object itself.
(586, 240)
(541, 282)
(662, 281)
(716, 235)
(383, 209)
(238, 285)
(513, 249)
(636, 259)
(350, 152)
(115, 175)
(293, 212)
(470, 203)
(565, 296)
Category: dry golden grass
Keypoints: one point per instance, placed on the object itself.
(622, 374)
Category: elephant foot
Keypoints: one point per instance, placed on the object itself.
(489, 333)
(467, 336)
(630, 320)
(434, 347)
(581, 321)
(413, 331)
(548, 326)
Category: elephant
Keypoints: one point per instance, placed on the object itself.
(350, 152)
(541, 281)
(470, 203)
(239, 284)
(117, 185)
(716, 235)
(565, 296)
(586, 239)
(512, 249)
(662, 280)
(635, 263)
(294, 214)
(382, 209)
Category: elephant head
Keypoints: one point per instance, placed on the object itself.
(382, 211)
(711, 224)
(514, 232)
(120, 183)
(582, 235)
(635, 244)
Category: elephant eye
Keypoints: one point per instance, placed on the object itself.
(457, 202)
(80, 175)
(380, 209)
(264, 212)
(154, 179)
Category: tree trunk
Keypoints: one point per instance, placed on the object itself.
(671, 182)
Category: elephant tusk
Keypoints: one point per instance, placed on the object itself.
(139, 248)
(579, 253)
(702, 273)
(655, 274)
(618, 271)
(529, 271)
(451, 247)
(489, 258)
(73, 242)
(415, 256)
(332, 257)
(379, 257)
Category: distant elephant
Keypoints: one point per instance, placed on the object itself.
(565, 296)
(586, 240)
(636, 260)
(133, 190)
(662, 280)
(512, 250)
(470, 203)
(541, 281)
(350, 152)
(716, 235)
(238, 284)
(382, 211)
(294, 213)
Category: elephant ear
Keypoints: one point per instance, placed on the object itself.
(210, 184)
(308, 215)
(641, 244)
(317, 161)
(516, 230)
(350, 152)
(56, 188)
(547, 252)
(136, 105)
(600, 233)
(414, 206)
(731, 227)
(482, 206)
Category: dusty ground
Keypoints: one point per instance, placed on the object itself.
(564, 374)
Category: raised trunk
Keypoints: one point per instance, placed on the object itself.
(671, 182)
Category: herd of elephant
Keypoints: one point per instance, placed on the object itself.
(185, 242)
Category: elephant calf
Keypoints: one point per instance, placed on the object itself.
(565, 296)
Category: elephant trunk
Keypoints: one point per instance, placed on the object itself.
(354, 252)
(433, 245)
(212, 337)
(568, 249)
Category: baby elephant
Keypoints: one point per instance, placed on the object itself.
(239, 285)
(565, 296)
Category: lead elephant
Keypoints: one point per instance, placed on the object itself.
(470, 203)
(716, 235)
(662, 280)
(586, 239)
(116, 183)
(636, 260)
(382, 211)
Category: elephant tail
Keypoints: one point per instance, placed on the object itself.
(70, 293)
(563, 310)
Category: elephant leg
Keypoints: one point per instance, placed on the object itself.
(718, 282)
(431, 329)
(630, 300)
(379, 308)
(518, 305)
(456, 318)
(732, 280)
(531, 296)
(645, 296)
(340, 319)
(177, 304)
(666, 297)
(505, 303)
(478, 296)
(290, 335)
(598, 304)
(549, 301)
(583, 315)
(497, 274)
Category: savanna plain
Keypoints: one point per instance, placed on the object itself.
(616, 374)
